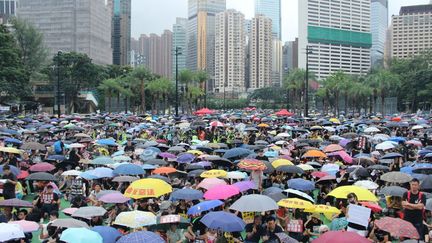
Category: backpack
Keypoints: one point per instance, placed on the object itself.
(420, 194)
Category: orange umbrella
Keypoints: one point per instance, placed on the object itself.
(164, 170)
(332, 148)
(263, 125)
(314, 154)
(252, 164)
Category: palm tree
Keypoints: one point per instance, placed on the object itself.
(142, 75)
(186, 77)
(382, 81)
(202, 77)
(109, 86)
(294, 84)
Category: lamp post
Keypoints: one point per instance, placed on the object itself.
(58, 83)
(306, 93)
(177, 53)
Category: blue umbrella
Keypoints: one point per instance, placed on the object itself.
(301, 184)
(108, 142)
(88, 176)
(101, 172)
(13, 169)
(397, 139)
(154, 149)
(80, 235)
(422, 168)
(56, 157)
(271, 190)
(148, 167)
(204, 206)
(237, 152)
(102, 160)
(148, 154)
(141, 236)
(391, 156)
(271, 154)
(185, 158)
(186, 194)
(12, 140)
(223, 221)
(118, 153)
(109, 234)
(339, 224)
(10, 131)
(129, 169)
(407, 169)
(361, 155)
(426, 153)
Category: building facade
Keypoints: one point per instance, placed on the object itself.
(271, 9)
(260, 52)
(8, 8)
(179, 40)
(230, 54)
(339, 41)
(121, 31)
(289, 56)
(411, 31)
(156, 53)
(379, 27)
(81, 26)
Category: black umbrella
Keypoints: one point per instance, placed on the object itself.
(378, 167)
(359, 171)
(391, 156)
(205, 149)
(190, 167)
(195, 173)
(41, 176)
(290, 169)
(396, 191)
(426, 183)
(166, 179)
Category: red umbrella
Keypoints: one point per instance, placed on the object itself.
(327, 178)
(23, 174)
(396, 119)
(204, 111)
(397, 227)
(332, 148)
(319, 174)
(252, 164)
(373, 206)
(340, 237)
(284, 112)
(42, 167)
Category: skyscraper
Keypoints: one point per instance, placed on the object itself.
(201, 35)
(276, 74)
(340, 40)
(260, 52)
(80, 26)
(8, 9)
(411, 31)
(271, 9)
(379, 26)
(121, 30)
(290, 56)
(156, 53)
(230, 52)
(179, 40)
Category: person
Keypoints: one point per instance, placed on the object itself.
(9, 183)
(93, 194)
(353, 227)
(129, 146)
(254, 231)
(48, 233)
(342, 176)
(272, 228)
(312, 227)
(413, 203)
(49, 200)
(174, 234)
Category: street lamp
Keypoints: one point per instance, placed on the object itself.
(177, 53)
(306, 93)
(58, 83)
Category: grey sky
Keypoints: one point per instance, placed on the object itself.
(153, 16)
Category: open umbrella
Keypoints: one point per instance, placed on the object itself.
(221, 192)
(281, 162)
(186, 194)
(301, 184)
(103, 160)
(42, 167)
(223, 221)
(320, 208)
(370, 185)
(89, 211)
(10, 232)
(391, 156)
(361, 193)
(135, 219)
(396, 177)
(397, 227)
(164, 170)
(69, 223)
(125, 179)
(33, 146)
(340, 237)
(396, 191)
(129, 169)
(26, 226)
(149, 187)
(254, 203)
(213, 174)
(204, 206)
(13, 169)
(15, 202)
(209, 183)
(141, 236)
(245, 185)
(80, 235)
(295, 203)
(298, 194)
(115, 197)
(292, 169)
(109, 234)
(237, 152)
(251, 164)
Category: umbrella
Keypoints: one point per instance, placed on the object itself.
(319, 174)
(236, 175)
(145, 188)
(361, 193)
(326, 178)
(221, 192)
(122, 158)
(125, 179)
(373, 206)
(251, 164)
(164, 222)
(236, 152)
(295, 203)
(397, 227)
(156, 162)
(56, 157)
(320, 208)
(332, 148)
(186, 194)
(339, 224)
(314, 154)
(204, 206)
(13, 169)
(129, 169)
(340, 237)
(101, 172)
(42, 167)
(396, 191)
(109, 234)
(10, 232)
(41, 176)
(26, 226)
(167, 155)
(185, 158)
(371, 130)
(271, 190)
(13, 140)
(298, 194)
(213, 174)
(306, 167)
(71, 173)
(379, 167)
(423, 168)
(245, 185)
(10, 150)
(135, 219)
(89, 211)
(103, 160)
(280, 162)
(301, 184)
(15, 202)
(396, 177)
(428, 205)
(209, 183)
(107, 142)
(254, 203)
(370, 185)
(223, 221)
(80, 235)
(164, 178)
(69, 223)
(292, 169)
(195, 173)
(385, 145)
(115, 197)
(391, 156)
(164, 170)
(33, 146)
(141, 236)
(285, 238)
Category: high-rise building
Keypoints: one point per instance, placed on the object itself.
(166, 54)
(144, 49)
(230, 52)
(379, 27)
(8, 9)
(411, 31)
(277, 70)
(271, 9)
(179, 41)
(201, 35)
(289, 56)
(134, 45)
(260, 52)
(80, 26)
(121, 30)
(156, 52)
(338, 32)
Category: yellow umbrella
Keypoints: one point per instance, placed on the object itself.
(295, 203)
(146, 188)
(213, 174)
(10, 150)
(135, 219)
(306, 167)
(276, 148)
(320, 208)
(334, 120)
(194, 152)
(280, 162)
(361, 193)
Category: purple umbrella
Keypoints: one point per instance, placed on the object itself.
(244, 185)
(14, 202)
(115, 197)
(344, 142)
(166, 155)
(185, 158)
(141, 236)
(203, 163)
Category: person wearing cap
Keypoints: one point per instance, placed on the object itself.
(312, 227)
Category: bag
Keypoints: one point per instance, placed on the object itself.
(420, 194)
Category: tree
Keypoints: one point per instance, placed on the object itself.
(202, 77)
(13, 75)
(109, 86)
(141, 75)
(186, 78)
(294, 84)
(383, 81)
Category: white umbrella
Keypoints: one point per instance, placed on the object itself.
(76, 145)
(71, 173)
(283, 135)
(371, 130)
(380, 137)
(299, 193)
(370, 185)
(122, 158)
(10, 232)
(385, 145)
(330, 129)
(236, 175)
(254, 203)
(417, 127)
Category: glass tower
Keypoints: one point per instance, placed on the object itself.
(272, 10)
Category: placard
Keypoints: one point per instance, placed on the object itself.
(358, 215)
(295, 226)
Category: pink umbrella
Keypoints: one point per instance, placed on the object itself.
(346, 157)
(244, 185)
(69, 211)
(209, 183)
(167, 155)
(42, 167)
(27, 226)
(221, 192)
(115, 197)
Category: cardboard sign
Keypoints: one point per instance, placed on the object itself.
(358, 215)
(295, 226)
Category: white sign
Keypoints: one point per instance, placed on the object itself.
(358, 215)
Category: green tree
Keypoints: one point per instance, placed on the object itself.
(142, 75)
(383, 82)
(202, 77)
(109, 87)
(187, 79)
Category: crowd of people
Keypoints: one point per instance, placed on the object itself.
(240, 176)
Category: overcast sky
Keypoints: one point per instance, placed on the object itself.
(153, 16)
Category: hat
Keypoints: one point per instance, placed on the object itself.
(315, 215)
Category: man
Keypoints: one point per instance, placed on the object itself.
(312, 226)
(49, 200)
(48, 232)
(353, 227)
(342, 176)
(271, 230)
(9, 184)
(254, 231)
(413, 203)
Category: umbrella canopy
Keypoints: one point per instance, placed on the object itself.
(281, 162)
(141, 236)
(186, 194)
(15, 202)
(295, 203)
(145, 188)
(298, 194)
(125, 179)
(103, 160)
(391, 156)
(254, 203)
(320, 208)
(361, 193)
(251, 164)
(370, 185)
(340, 237)
(292, 169)
(204, 206)
(129, 169)
(80, 235)
(396, 177)
(115, 197)
(245, 185)
(332, 148)
(42, 167)
(314, 154)
(26, 226)
(236, 152)
(89, 211)
(41, 176)
(69, 223)
(397, 227)
(213, 174)
(135, 219)
(33, 146)
(164, 170)
(284, 112)
(236, 175)
(396, 191)
(223, 221)
(185, 158)
(10, 232)
(109, 234)
(221, 192)
(301, 184)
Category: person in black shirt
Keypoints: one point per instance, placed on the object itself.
(342, 177)
(271, 230)
(129, 146)
(254, 231)
(9, 185)
(312, 227)
(413, 203)
(261, 156)
(359, 229)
